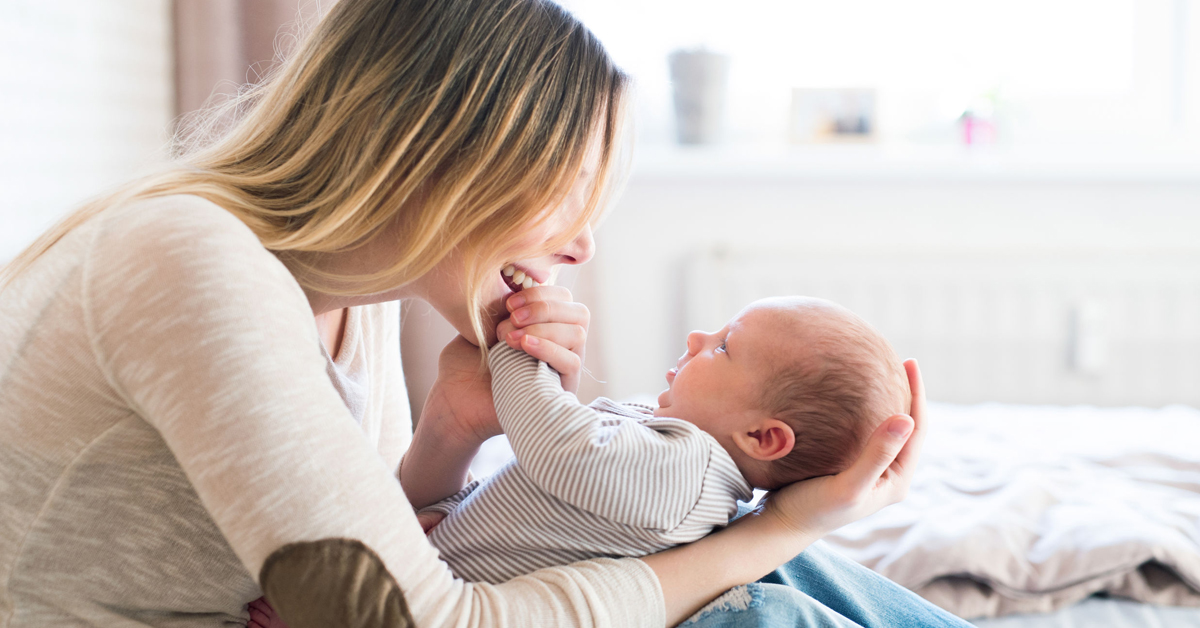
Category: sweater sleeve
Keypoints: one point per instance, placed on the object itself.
(645, 475)
(208, 338)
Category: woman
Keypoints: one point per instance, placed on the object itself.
(182, 438)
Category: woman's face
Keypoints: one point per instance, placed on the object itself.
(445, 286)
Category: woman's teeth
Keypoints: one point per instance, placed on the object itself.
(519, 278)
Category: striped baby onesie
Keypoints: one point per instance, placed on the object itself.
(604, 480)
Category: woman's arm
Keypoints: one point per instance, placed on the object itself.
(205, 336)
(458, 416)
(795, 516)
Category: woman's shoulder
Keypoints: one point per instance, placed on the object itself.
(175, 219)
(179, 231)
(185, 246)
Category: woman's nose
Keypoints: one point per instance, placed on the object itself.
(581, 249)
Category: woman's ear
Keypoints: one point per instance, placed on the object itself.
(770, 439)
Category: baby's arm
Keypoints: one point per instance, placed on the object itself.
(614, 467)
(459, 416)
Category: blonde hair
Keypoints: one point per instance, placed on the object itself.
(452, 124)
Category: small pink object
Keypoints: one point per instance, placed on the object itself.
(978, 131)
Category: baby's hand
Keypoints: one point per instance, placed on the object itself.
(545, 323)
(263, 616)
(429, 520)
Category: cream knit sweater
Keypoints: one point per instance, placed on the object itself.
(168, 422)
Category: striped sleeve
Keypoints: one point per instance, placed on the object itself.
(615, 467)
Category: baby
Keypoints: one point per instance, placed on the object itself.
(788, 390)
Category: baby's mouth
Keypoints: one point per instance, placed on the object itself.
(516, 279)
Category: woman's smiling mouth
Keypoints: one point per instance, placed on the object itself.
(517, 279)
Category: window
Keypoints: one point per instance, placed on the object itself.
(1080, 72)
(86, 101)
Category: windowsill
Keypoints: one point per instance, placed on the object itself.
(872, 162)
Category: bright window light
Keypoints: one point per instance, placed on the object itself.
(1080, 71)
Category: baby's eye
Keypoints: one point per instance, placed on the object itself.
(722, 347)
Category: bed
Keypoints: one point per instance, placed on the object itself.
(1019, 515)
(1101, 613)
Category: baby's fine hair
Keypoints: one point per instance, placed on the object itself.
(833, 396)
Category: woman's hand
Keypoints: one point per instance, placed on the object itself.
(880, 477)
(795, 516)
(461, 397)
(457, 417)
(545, 323)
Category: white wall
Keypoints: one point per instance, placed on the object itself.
(678, 205)
(86, 101)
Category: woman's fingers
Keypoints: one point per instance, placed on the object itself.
(906, 460)
(545, 323)
(882, 448)
(573, 337)
(568, 363)
(540, 293)
(557, 356)
(536, 312)
(821, 505)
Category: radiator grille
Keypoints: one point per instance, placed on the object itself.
(1025, 328)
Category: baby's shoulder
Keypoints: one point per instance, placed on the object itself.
(643, 415)
(627, 410)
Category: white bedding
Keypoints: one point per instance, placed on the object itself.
(1019, 509)
(1102, 613)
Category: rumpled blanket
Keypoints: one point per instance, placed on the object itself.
(1021, 509)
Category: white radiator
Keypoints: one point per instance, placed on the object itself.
(1022, 328)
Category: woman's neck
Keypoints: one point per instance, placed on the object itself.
(321, 303)
(331, 328)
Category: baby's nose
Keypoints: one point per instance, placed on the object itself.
(695, 342)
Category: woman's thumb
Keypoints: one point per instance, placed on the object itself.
(899, 427)
(884, 445)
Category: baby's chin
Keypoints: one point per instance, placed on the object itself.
(664, 402)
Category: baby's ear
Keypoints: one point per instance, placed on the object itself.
(770, 439)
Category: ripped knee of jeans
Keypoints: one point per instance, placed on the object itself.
(735, 600)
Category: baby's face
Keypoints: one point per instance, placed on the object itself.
(718, 382)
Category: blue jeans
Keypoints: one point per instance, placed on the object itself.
(820, 588)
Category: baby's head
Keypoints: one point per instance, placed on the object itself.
(791, 387)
